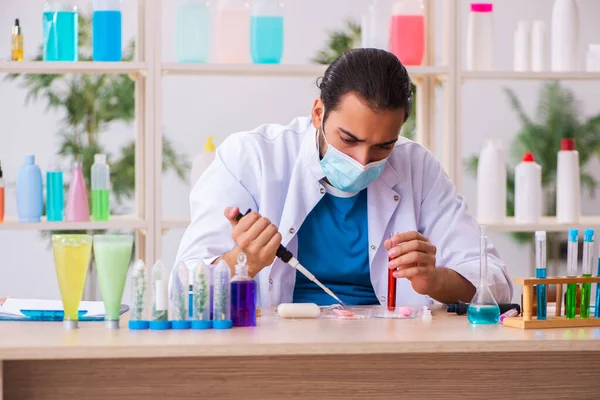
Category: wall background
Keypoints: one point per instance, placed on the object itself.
(190, 114)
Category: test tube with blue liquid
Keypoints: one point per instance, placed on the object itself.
(571, 300)
(483, 309)
(540, 273)
(588, 259)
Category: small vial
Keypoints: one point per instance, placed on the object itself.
(243, 295)
(426, 316)
(201, 298)
(510, 313)
(160, 304)
(138, 319)
(179, 300)
(222, 296)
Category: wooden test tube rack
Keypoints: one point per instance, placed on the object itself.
(528, 321)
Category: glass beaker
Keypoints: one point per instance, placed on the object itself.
(71, 259)
(192, 31)
(60, 32)
(232, 32)
(106, 30)
(266, 31)
(112, 254)
(407, 37)
(483, 309)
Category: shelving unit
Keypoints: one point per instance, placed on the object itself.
(149, 70)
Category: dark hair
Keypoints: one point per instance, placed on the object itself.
(376, 76)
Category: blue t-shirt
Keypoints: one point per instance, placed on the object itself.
(333, 244)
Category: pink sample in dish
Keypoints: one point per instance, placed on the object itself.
(405, 311)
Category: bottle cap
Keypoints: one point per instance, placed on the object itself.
(573, 233)
(482, 7)
(138, 325)
(201, 324)
(540, 235)
(209, 146)
(160, 325)
(100, 158)
(29, 159)
(588, 235)
(528, 157)
(181, 324)
(223, 324)
(567, 144)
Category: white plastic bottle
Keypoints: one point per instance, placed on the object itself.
(375, 26)
(528, 190)
(480, 37)
(100, 188)
(565, 35)
(522, 47)
(491, 184)
(538, 46)
(568, 197)
(202, 161)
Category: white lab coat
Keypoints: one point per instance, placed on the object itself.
(275, 170)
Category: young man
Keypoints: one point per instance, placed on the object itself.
(332, 189)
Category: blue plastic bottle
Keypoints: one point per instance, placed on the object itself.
(60, 32)
(107, 31)
(30, 192)
(192, 31)
(266, 32)
(55, 194)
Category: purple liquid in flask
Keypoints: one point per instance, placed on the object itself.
(243, 295)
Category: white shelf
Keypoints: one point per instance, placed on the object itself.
(116, 222)
(548, 224)
(543, 76)
(175, 223)
(267, 70)
(82, 67)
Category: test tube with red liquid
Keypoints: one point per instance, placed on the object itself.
(391, 296)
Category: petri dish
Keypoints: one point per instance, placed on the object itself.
(346, 313)
(401, 312)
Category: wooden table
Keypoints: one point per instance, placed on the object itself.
(314, 359)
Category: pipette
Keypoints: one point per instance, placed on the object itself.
(286, 256)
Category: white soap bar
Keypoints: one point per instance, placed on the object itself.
(298, 310)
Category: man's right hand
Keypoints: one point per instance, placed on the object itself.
(256, 237)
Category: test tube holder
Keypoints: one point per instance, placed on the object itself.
(528, 321)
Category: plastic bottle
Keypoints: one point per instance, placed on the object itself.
(100, 189)
(538, 46)
(565, 35)
(232, 32)
(202, 161)
(407, 37)
(2, 199)
(107, 30)
(568, 198)
(30, 191)
(55, 194)
(480, 37)
(266, 31)
(491, 184)
(243, 295)
(593, 58)
(60, 32)
(78, 208)
(528, 190)
(522, 47)
(192, 31)
(375, 25)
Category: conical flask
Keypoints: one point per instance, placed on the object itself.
(483, 308)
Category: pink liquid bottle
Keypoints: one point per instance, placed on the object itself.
(407, 37)
(78, 208)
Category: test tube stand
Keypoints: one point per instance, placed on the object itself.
(528, 321)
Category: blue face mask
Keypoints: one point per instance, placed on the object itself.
(345, 173)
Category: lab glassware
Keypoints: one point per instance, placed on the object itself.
(100, 188)
(266, 31)
(60, 32)
(588, 259)
(179, 297)
(201, 297)
(138, 319)
(243, 295)
(483, 309)
(570, 302)
(192, 31)
(106, 30)
(392, 282)
(55, 194)
(160, 306)
(232, 32)
(71, 259)
(222, 296)
(112, 254)
(540, 273)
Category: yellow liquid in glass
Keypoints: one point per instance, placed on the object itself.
(71, 258)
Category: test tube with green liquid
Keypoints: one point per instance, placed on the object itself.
(588, 257)
(571, 300)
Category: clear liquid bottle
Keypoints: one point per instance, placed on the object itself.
(243, 295)
(201, 298)
(60, 32)
(540, 272)
(178, 297)
(483, 309)
(138, 318)
(571, 295)
(100, 188)
(375, 26)
(232, 32)
(407, 38)
(222, 296)
(266, 31)
(192, 31)
(160, 304)
(588, 259)
(107, 30)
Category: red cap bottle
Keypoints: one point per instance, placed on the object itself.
(567, 144)
(528, 157)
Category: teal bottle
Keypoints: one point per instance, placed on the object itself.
(266, 32)
(60, 32)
